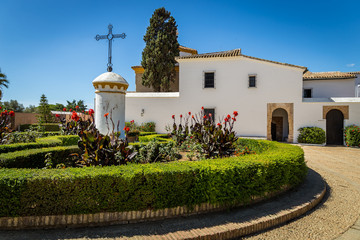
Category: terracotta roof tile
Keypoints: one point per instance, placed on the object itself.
(188, 50)
(327, 75)
(234, 53)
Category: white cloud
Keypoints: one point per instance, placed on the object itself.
(350, 65)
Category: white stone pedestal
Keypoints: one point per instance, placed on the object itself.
(110, 90)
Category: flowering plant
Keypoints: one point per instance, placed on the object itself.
(5, 123)
(216, 140)
(352, 136)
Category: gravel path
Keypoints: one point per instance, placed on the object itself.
(340, 167)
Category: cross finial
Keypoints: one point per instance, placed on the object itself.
(110, 36)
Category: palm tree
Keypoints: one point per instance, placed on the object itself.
(3, 83)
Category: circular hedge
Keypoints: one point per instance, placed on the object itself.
(229, 181)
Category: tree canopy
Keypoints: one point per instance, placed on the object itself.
(158, 56)
(72, 105)
(13, 105)
(3, 83)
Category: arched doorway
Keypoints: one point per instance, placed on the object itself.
(280, 125)
(334, 127)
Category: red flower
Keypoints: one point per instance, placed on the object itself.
(64, 109)
(219, 124)
(235, 113)
(106, 114)
(77, 107)
(189, 113)
(192, 116)
(210, 114)
(91, 112)
(132, 121)
(0, 107)
(12, 113)
(180, 115)
(70, 110)
(234, 119)
(205, 117)
(202, 108)
(57, 115)
(173, 116)
(126, 129)
(75, 117)
(228, 116)
(83, 111)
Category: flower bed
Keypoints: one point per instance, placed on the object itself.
(227, 181)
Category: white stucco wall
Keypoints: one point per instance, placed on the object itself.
(309, 114)
(331, 88)
(275, 84)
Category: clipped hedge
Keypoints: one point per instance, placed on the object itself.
(48, 127)
(51, 141)
(150, 186)
(146, 133)
(34, 158)
(314, 135)
(159, 137)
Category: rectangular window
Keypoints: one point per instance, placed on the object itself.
(211, 111)
(252, 81)
(209, 80)
(308, 93)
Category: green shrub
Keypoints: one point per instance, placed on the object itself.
(313, 135)
(26, 192)
(24, 127)
(154, 151)
(147, 127)
(159, 137)
(51, 141)
(352, 136)
(252, 144)
(146, 133)
(34, 158)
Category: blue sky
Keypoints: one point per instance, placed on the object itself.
(49, 47)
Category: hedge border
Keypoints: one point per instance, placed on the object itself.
(138, 187)
(52, 141)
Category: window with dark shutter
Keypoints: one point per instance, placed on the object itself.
(211, 111)
(308, 93)
(209, 80)
(252, 81)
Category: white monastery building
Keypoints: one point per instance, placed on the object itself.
(273, 99)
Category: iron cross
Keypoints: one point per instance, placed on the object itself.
(110, 37)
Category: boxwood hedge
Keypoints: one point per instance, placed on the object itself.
(34, 158)
(150, 186)
(40, 143)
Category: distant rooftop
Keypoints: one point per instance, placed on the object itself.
(328, 75)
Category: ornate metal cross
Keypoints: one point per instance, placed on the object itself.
(110, 37)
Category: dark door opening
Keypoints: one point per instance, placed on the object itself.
(334, 127)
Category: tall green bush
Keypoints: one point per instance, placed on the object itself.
(314, 135)
(352, 136)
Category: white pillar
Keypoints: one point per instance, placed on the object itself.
(110, 90)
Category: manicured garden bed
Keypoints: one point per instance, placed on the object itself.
(227, 181)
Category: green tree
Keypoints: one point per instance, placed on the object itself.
(3, 83)
(56, 107)
(158, 56)
(72, 105)
(45, 115)
(13, 105)
(30, 109)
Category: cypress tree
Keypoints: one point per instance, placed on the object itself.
(158, 56)
(45, 115)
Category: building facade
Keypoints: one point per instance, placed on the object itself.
(273, 99)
